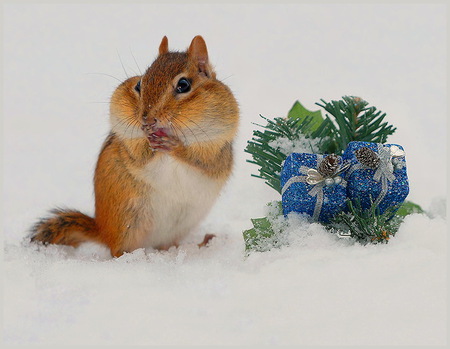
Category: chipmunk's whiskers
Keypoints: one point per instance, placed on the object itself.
(195, 136)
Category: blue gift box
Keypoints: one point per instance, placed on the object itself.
(383, 182)
(321, 199)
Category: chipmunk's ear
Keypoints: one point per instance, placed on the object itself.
(199, 54)
(164, 46)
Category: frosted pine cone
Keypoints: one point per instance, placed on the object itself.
(368, 157)
(328, 166)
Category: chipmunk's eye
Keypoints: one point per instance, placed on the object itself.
(137, 88)
(183, 86)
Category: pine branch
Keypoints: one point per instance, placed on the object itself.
(268, 158)
(355, 122)
(366, 226)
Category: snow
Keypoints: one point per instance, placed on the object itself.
(300, 145)
(318, 289)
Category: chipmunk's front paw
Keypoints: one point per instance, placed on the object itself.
(161, 138)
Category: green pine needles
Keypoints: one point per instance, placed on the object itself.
(366, 226)
(346, 120)
(354, 122)
(269, 158)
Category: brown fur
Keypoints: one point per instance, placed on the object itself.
(65, 227)
(201, 126)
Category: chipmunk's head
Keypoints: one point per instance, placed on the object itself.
(178, 95)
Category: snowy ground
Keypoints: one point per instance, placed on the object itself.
(320, 289)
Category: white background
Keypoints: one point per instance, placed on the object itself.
(62, 62)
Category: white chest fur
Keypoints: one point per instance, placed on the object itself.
(180, 198)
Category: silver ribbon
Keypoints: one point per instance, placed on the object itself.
(312, 177)
(385, 169)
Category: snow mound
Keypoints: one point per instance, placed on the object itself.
(320, 289)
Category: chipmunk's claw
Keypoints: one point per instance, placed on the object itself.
(206, 240)
(160, 138)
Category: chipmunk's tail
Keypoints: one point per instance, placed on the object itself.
(65, 228)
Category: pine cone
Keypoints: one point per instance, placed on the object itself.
(368, 157)
(328, 166)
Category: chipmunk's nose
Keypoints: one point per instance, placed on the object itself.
(148, 120)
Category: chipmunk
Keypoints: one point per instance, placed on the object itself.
(165, 161)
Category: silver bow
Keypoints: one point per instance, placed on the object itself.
(312, 177)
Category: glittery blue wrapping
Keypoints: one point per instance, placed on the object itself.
(361, 184)
(296, 197)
